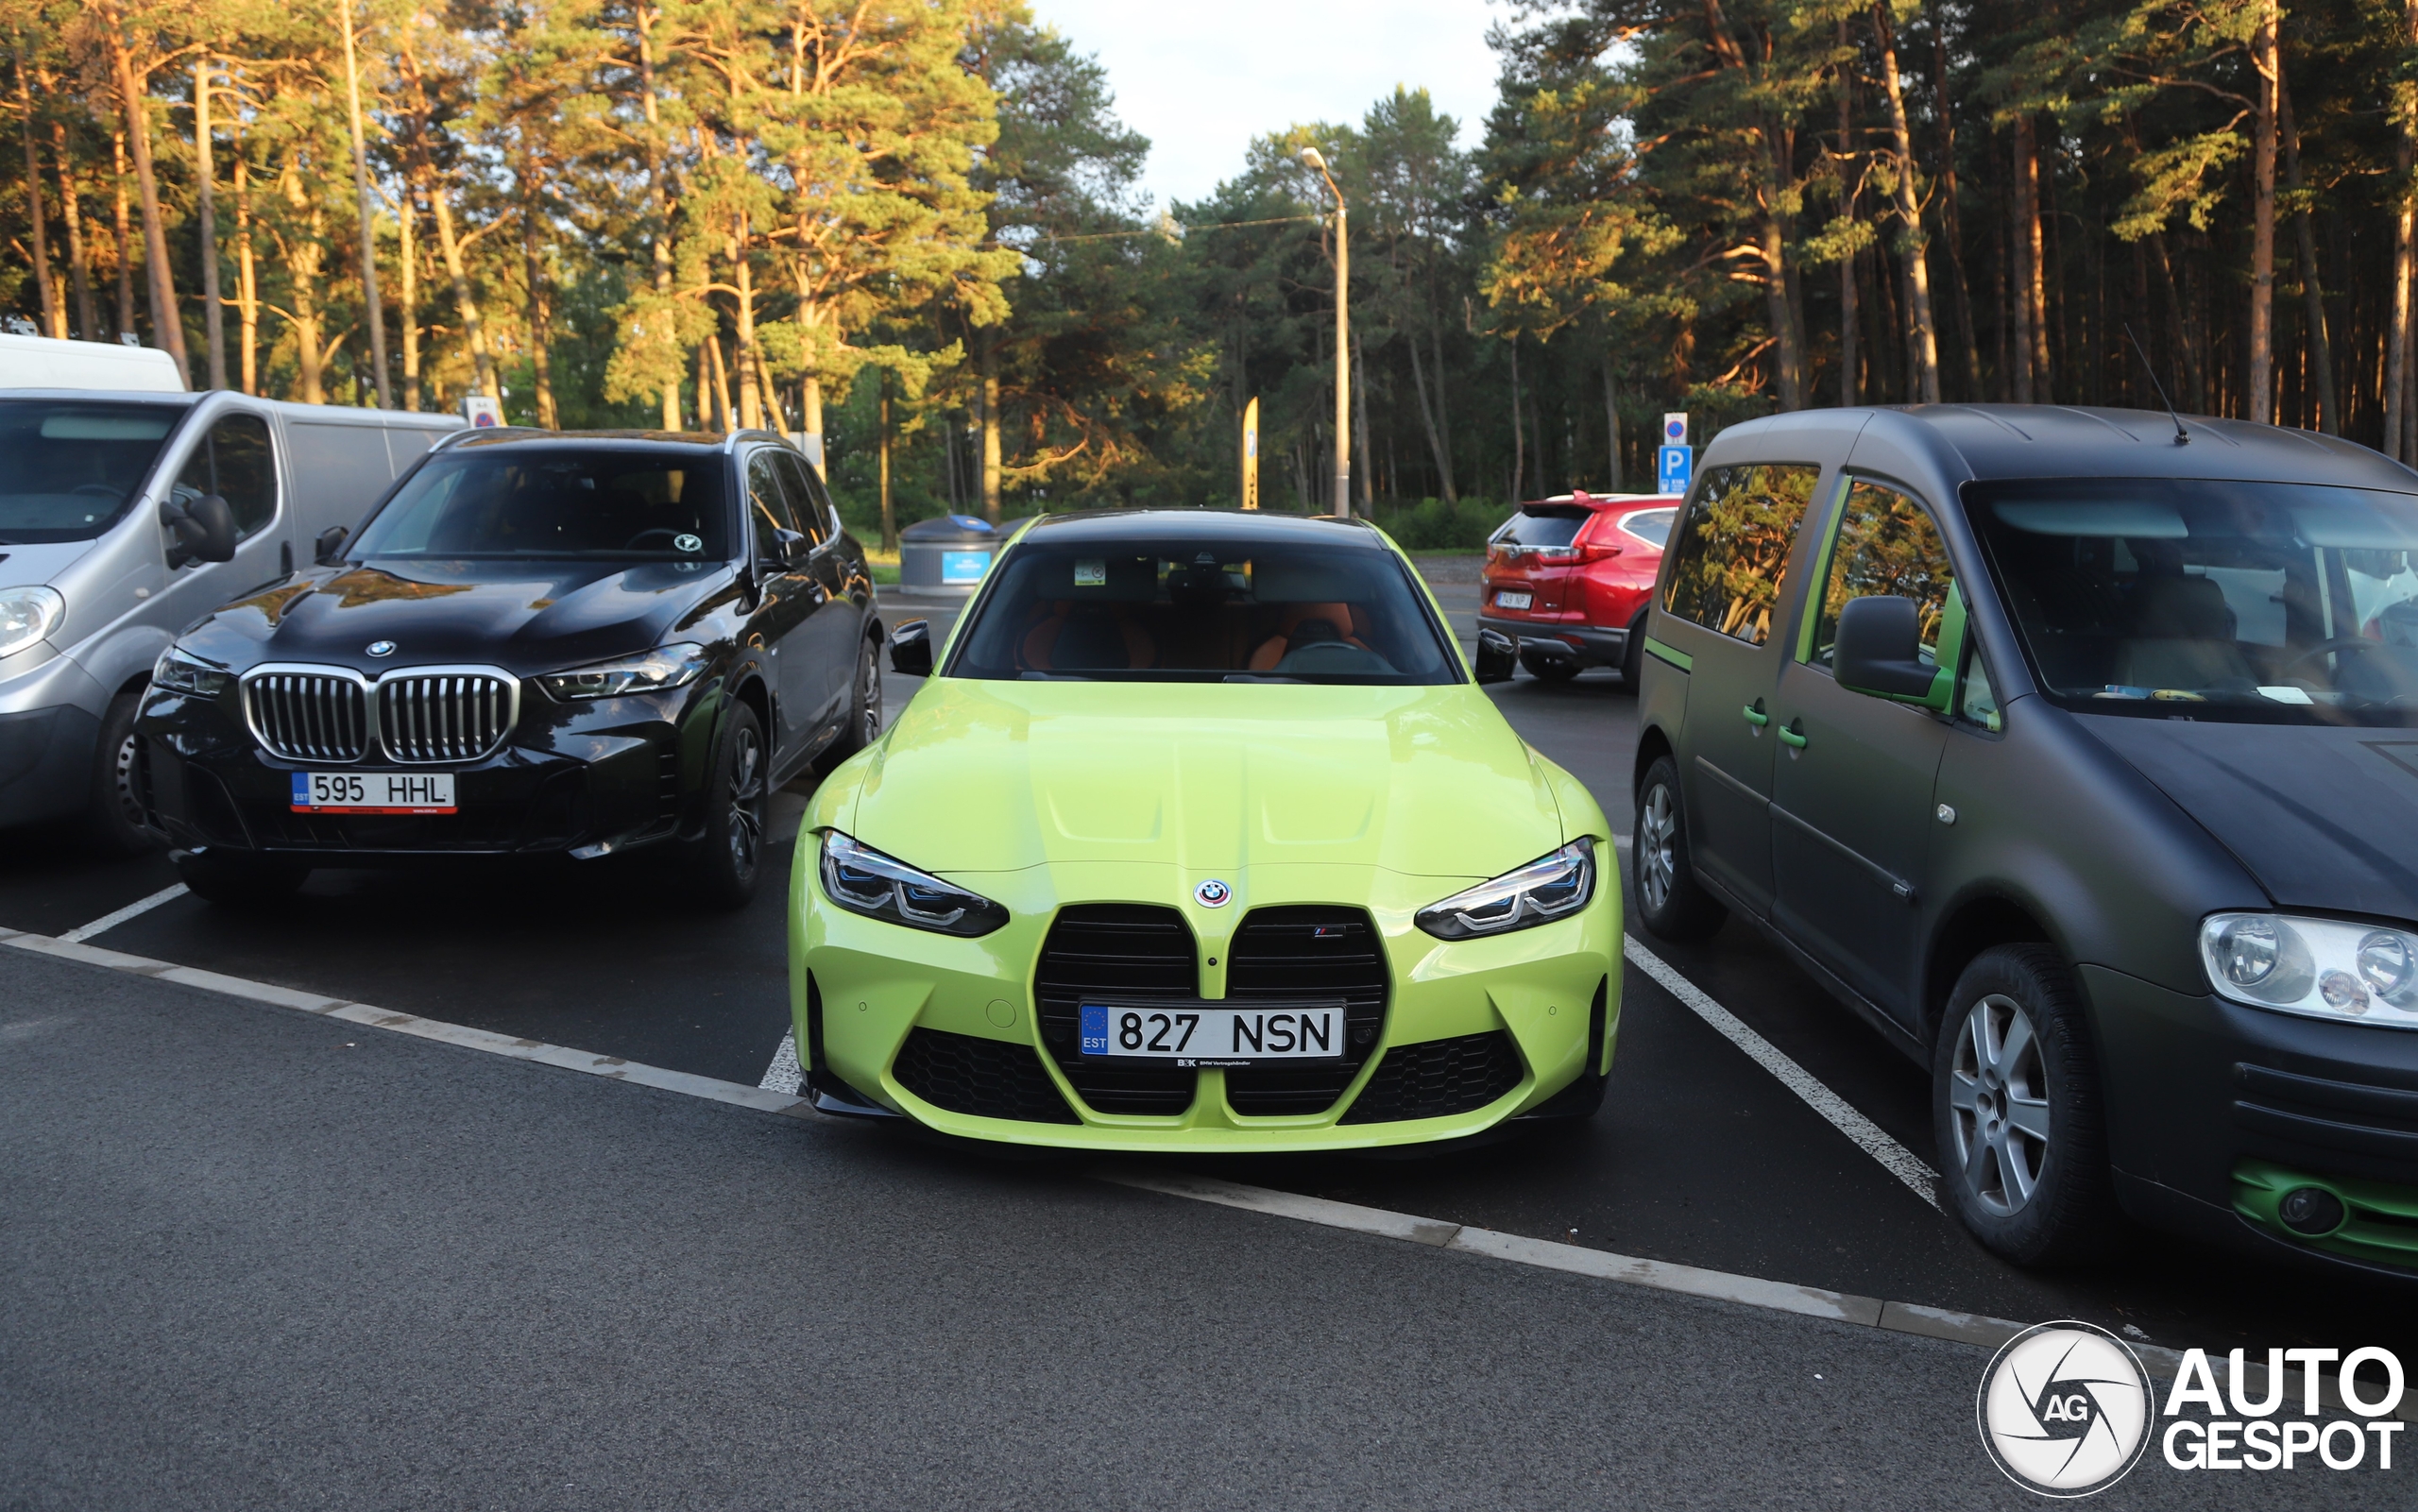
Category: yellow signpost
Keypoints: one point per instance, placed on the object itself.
(1251, 454)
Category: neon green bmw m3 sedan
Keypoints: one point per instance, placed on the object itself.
(1201, 836)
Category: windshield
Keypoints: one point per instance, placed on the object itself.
(68, 468)
(1546, 526)
(549, 502)
(2248, 602)
(1216, 611)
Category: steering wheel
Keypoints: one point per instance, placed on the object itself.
(2329, 647)
(664, 531)
(105, 490)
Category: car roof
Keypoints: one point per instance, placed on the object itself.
(1601, 501)
(526, 439)
(1146, 526)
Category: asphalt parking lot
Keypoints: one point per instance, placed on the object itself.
(1701, 1156)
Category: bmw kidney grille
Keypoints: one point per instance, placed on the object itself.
(425, 716)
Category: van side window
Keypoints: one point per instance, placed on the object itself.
(1976, 702)
(1886, 546)
(235, 462)
(1730, 557)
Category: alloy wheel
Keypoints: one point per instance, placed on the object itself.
(1656, 834)
(1997, 1097)
(129, 803)
(747, 796)
(869, 676)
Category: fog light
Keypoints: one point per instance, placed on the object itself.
(2311, 1212)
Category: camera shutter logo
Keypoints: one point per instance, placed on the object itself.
(2064, 1409)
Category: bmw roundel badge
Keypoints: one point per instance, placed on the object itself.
(1212, 893)
(380, 648)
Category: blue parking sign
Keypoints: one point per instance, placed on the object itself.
(1674, 467)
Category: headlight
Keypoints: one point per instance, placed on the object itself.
(2322, 967)
(182, 672)
(863, 880)
(26, 614)
(664, 667)
(1549, 887)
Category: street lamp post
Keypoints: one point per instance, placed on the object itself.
(1343, 339)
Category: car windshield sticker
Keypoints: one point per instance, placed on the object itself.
(1091, 575)
(689, 543)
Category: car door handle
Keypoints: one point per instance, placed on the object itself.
(1791, 737)
(1755, 717)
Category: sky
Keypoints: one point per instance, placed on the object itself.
(1201, 81)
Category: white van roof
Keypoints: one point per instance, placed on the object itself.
(39, 361)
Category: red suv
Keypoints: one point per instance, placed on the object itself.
(1568, 579)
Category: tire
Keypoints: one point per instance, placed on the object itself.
(237, 880)
(864, 711)
(1633, 659)
(728, 861)
(1549, 669)
(1670, 900)
(114, 813)
(2016, 1106)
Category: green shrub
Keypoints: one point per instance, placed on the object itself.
(1433, 525)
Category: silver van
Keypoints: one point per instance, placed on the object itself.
(127, 515)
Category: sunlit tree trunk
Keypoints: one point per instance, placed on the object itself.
(1923, 335)
(88, 322)
(213, 323)
(407, 267)
(424, 177)
(2320, 346)
(167, 326)
(659, 195)
(54, 315)
(1850, 385)
(123, 226)
(2260, 399)
(2397, 363)
(989, 341)
(248, 290)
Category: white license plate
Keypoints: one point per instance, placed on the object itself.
(373, 792)
(1512, 601)
(1193, 1034)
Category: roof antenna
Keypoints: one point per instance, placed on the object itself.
(2182, 437)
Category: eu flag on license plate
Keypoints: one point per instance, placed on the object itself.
(1094, 1028)
(301, 789)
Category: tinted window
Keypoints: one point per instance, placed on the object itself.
(1731, 560)
(768, 502)
(2183, 598)
(1158, 611)
(806, 495)
(1551, 527)
(67, 470)
(1653, 525)
(234, 462)
(542, 502)
(1886, 546)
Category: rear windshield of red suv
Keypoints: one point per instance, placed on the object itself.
(1556, 526)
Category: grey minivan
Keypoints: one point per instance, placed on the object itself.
(2077, 751)
(125, 517)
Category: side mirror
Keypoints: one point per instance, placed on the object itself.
(1879, 650)
(911, 649)
(205, 529)
(329, 548)
(1497, 653)
(787, 550)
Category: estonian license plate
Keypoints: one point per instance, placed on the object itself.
(373, 792)
(1194, 1034)
(1512, 601)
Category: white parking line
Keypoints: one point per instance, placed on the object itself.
(1895, 1158)
(111, 921)
(784, 1074)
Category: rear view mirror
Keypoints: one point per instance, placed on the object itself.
(911, 649)
(204, 529)
(1497, 653)
(1879, 650)
(329, 548)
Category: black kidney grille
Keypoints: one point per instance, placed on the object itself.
(1121, 950)
(1308, 950)
(987, 1079)
(1437, 1078)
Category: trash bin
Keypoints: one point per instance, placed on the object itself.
(947, 555)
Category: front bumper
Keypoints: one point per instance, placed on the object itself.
(1589, 645)
(1496, 1028)
(2217, 1110)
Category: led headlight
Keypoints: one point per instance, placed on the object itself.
(863, 881)
(26, 614)
(2324, 968)
(1549, 888)
(179, 671)
(664, 667)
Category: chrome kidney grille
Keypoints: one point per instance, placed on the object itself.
(444, 717)
(421, 715)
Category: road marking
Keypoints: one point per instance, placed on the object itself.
(111, 921)
(1748, 1291)
(1895, 1158)
(784, 1074)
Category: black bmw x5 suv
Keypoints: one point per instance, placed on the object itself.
(536, 643)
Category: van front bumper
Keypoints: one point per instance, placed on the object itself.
(45, 763)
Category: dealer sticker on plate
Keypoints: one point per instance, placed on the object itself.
(1195, 1034)
(373, 792)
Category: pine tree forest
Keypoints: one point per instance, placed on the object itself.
(917, 231)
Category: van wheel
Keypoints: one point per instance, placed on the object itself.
(2017, 1111)
(237, 881)
(113, 814)
(725, 863)
(1673, 904)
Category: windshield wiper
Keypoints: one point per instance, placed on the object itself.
(1258, 677)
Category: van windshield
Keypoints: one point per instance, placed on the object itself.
(2245, 601)
(1238, 611)
(69, 467)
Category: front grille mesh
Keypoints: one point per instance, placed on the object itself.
(988, 1079)
(1124, 950)
(447, 717)
(308, 717)
(1307, 951)
(1437, 1078)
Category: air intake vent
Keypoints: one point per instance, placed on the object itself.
(308, 716)
(1307, 951)
(988, 1079)
(1127, 950)
(1437, 1078)
(444, 716)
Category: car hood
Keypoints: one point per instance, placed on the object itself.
(2323, 818)
(522, 616)
(990, 776)
(22, 565)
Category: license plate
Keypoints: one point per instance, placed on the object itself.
(1198, 1035)
(373, 792)
(1512, 601)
